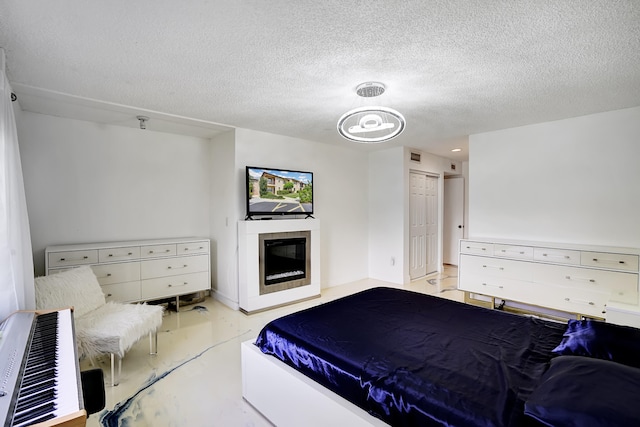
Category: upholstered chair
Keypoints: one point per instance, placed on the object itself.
(101, 327)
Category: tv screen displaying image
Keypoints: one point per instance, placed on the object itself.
(279, 192)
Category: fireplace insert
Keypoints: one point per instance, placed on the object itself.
(285, 261)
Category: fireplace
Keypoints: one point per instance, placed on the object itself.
(279, 262)
(285, 261)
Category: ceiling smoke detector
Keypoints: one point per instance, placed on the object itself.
(370, 89)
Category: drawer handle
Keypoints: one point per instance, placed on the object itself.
(580, 279)
(476, 249)
(493, 286)
(607, 261)
(167, 250)
(128, 254)
(71, 259)
(557, 256)
(493, 266)
(176, 286)
(580, 301)
(184, 266)
(106, 275)
(109, 295)
(504, 251)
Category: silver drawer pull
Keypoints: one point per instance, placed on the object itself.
(153, 252)
(175, 286)
(580, 279)
(128, 254)
(493, 266)
(105, 276)
(184, 266)
(72, 259)
(504, 251)
(493, 286)
(476, 249)
(608, 261)
(188, 249)
(557, 256)
(580, 301)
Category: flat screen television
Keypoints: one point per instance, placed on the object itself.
(278, 192)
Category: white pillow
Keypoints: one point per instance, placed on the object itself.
(77, 288)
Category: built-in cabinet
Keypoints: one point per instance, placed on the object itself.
(141, 270)
(578, 279)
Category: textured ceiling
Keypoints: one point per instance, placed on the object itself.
(453, 68)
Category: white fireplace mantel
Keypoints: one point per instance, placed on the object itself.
(250, 299)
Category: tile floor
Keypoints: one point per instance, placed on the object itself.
(195, 379)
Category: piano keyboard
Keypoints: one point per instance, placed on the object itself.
(40, 379)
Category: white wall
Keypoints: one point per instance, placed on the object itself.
(224, 199)
(574, 180)
(88, 182)
(340, 195)
(386, 214)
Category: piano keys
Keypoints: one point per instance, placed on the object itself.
(39, 372)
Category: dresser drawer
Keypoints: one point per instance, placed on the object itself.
(116, 273)
(173, 266)
(119, 254)
(589, 303)
(193, 248)
(609, 260)
(496, 267)
(155, 251)
(558, 256)
(510, 251)
(122, 292)
(622, 287)
(162, 287)
(71, 258)
(478, 248)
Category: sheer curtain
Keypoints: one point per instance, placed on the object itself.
(16, 262)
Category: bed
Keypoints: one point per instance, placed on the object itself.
(387, 356)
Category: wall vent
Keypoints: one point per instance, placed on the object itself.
(415, 157)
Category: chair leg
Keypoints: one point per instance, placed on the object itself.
(115, 376)
(153, 342)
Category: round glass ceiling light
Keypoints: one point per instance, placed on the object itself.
(371, 124)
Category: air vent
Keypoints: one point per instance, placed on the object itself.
(415, 157)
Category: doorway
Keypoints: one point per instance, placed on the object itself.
(453, 221)
(423, 220)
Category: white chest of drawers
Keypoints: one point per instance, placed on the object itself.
(140, 270)
(578, 279)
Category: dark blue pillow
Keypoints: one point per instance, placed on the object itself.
(580, 391)
(601, 340)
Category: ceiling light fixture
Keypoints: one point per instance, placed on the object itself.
(455, 150)
(143, 121)
(371, 124)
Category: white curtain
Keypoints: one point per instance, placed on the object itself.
(16, 262)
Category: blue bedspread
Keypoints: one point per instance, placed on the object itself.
(412, 359)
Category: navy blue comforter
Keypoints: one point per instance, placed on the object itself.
(412, 359)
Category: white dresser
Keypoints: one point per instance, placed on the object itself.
(140, 270)
(578, 279)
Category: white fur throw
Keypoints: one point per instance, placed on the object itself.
(101, 328)
(77, 288)
(115, 327)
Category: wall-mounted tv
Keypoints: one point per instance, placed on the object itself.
(279, 192)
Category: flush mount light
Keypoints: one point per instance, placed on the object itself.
(371, 124)
(455, 150)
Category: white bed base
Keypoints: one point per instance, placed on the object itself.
(288, 398)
